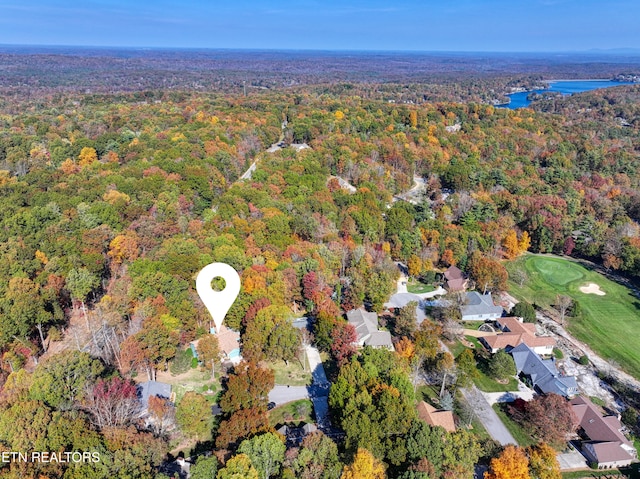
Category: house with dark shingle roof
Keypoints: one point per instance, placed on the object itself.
(366, 326)
(543, 373)
(153, 388)
(605, 444)
(479, 307)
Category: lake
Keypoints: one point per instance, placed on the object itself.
(566, 87)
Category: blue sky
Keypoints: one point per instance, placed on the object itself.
(426, 25)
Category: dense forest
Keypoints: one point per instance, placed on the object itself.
(111, 204)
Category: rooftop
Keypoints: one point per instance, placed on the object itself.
(435, 417)
(543, 372)
(604, 432)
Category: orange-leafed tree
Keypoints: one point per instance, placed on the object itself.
(511, 464)
(209, 352)
(543, 462)
(124, 247)
(510, 244)
(364, 466)
(524, 243)
(405, 349)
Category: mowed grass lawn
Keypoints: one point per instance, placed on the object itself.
(610, 324)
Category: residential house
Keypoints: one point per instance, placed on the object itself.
(228, 342)
(455, 280)
(436, 417)
(604, 444)
(366, 325)
(400, 300)
(543, 374)
(153, 388)
(515, 332)
(480, 307)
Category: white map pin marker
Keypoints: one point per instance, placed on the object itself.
(218, 302)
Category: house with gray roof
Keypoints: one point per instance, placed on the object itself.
(366, 326)
(400, 300)
(153, 388)
(543, 373)
(479, 307)
(604, 443)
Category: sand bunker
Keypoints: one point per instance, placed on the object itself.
(592, 288)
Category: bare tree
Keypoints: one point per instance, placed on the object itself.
(112, 403)
(520, 276)
(563, 304)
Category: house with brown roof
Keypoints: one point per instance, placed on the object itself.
(436, 417)
(228, 342)
(604, 444)
(514, 332)
(455, 280)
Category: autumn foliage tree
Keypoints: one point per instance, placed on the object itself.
(244, 403)
(209, 351)
(489, 274)
(364, 466)
(511, 464)
(543, 462)
(550, 418)
(343, 342)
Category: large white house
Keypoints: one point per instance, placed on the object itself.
(479, 307)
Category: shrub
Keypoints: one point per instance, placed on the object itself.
(525, 311)
(182, 362)
(584, 360)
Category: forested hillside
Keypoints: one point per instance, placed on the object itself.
(111, 204)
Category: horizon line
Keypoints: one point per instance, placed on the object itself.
(592, 51)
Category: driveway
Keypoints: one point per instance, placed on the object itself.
(523, 392)
(487, 416)
(571, 461)
(318, 391)
(285, 394)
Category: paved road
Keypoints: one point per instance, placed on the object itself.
(487, 416)
(285, 394)
(318, 391)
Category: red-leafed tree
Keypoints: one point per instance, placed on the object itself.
(240, 425)
(343, 339)
(310, 285)
(247, 387)
(256, 306)
(550, 418)
(112, 402)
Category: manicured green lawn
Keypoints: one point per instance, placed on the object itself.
(291, 374)
(518, 432)
(489, 385)
(484, 382)
(608, 323)
(417, 287)
(292, 413)
(631, 472)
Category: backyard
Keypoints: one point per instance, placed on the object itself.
(418, 287)
(610, 313)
